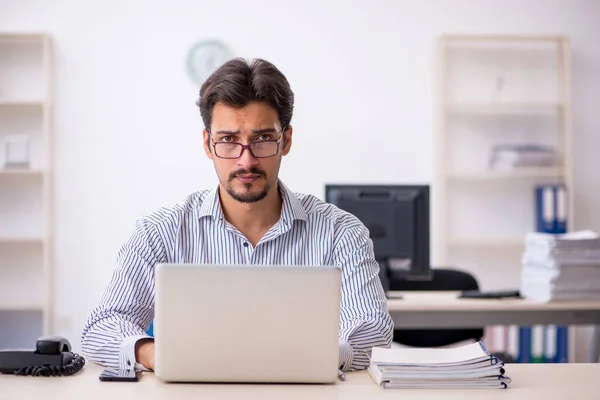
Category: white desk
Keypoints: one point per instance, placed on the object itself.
(444, 310)
(529, 381)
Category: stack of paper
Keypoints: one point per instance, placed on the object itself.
(469, 366)
(508, 157)
(561, 267)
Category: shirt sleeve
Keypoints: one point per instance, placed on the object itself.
(365, 321)
(126, 309)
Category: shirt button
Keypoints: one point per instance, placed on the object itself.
(245, 244)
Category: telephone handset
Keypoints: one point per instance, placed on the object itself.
(52, 357)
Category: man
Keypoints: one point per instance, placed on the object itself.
(250, 218)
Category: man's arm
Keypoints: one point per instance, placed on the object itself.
(365, 321)
(126, 308)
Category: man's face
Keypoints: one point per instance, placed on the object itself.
(247, 179)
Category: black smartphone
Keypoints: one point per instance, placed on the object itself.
(120, 375)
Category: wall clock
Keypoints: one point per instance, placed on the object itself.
(204, 58)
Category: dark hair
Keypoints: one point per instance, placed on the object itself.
(239, 82)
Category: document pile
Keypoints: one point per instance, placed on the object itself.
(469, 366)
(561, 266)
(510, 157)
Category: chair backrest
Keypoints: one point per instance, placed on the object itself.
(442, 279)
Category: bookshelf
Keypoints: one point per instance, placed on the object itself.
(476, 243)
(522, 173)
(496, 90)
(503, 108)
(25, 190)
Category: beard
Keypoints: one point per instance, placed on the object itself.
(247, 196)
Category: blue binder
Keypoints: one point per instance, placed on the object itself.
(562, 344)
(524, 345)
(551, 208)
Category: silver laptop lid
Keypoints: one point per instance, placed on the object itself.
(227, 323)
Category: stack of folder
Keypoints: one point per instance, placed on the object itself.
(470, 366)
(561, 266)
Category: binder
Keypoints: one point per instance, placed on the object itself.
(562, 344)
(551, 208)
(537, 344)
(513, 341)
(551, 344)
(524, 344)
(495, 338)
(561, 209)
(544, 197)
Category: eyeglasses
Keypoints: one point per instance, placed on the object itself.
(258, 149)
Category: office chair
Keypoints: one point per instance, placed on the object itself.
(442, 279)
(150, 331)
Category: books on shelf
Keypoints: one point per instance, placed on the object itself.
(528, 344)
(469, 366)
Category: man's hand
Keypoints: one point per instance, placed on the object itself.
(144, 353)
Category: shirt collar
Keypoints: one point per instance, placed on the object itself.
(291, 208)
(211, 206)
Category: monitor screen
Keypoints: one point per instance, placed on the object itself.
(397, 218)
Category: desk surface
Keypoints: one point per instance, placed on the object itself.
(424, 310)
(449, 301)
(529, 381)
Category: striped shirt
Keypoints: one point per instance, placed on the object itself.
(309, 232)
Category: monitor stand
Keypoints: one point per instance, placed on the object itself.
(392, 295)
(385, 280)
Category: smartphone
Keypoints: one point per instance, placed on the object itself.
(120, 375)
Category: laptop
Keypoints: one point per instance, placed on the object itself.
(247, 324)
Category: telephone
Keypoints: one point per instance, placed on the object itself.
(52, 357)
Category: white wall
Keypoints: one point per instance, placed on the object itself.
(128, 135)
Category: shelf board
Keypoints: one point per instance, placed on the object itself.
(517, 173)
(21, 103)
(503, 108)
(7, 306)
(27, 36)
(21, 240)
(502, 38)
(488, 243)
(21, 172)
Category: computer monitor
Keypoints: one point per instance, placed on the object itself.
(397, 217)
